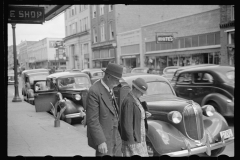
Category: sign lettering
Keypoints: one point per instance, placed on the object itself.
(26, 14)
(164, 39)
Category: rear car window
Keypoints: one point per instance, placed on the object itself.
(230, 75)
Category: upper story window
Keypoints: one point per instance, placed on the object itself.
(110, 8)
(80, 26)
(94, 35)
(73, 10)
(111, 30)
(94, 12)
(232, 13)
(102, 32)
(101, 9)
(231, 36)
(85, 6)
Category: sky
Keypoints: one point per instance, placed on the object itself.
(53, 28)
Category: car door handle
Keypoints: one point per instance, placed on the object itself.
(189, 89)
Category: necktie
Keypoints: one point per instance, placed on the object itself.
(113, 102)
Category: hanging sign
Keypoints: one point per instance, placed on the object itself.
(26, 14)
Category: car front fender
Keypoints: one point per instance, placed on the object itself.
(214, 125)
(164, 137)
(225, 108)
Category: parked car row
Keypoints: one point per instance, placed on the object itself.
(187, 115)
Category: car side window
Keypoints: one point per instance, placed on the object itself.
(197, 77)
(207, 78)
(184, 78)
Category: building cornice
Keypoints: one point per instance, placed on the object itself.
(228, 24)
(76, 35)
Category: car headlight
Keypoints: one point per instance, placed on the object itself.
(208, 110)
(77, 97)
(175, 117)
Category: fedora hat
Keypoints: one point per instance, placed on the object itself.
(114, 70)
(141, 85)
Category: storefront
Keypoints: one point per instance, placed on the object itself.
(102, 56)
(158, 62)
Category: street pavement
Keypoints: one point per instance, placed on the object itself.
(31, 133)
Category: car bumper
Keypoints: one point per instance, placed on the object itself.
(206, 148)
(75, 115)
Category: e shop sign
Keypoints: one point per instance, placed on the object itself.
(26, 14)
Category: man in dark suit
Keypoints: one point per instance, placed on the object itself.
(102, 114)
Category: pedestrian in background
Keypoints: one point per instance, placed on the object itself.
(102, 114)
(132, 121)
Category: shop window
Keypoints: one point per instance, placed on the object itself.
(153, 46)
(175, 43)
(96, 54)
(217, 58)
(217, 38)
(181, 42)
(188, 42)
(104, 53)
(194, 41)
(202, 40)
(210, 39)
(158, 46)
(148, 46)
(231, 36)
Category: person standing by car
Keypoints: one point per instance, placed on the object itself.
(102, 114)
(132, 121)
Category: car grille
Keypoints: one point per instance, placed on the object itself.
(193, 122)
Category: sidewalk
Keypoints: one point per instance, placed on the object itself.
(32, 133)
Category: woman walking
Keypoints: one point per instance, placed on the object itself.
(132, 124)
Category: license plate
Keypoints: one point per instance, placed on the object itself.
(227, 134)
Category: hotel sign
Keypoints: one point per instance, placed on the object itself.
(26, 14)
(164, 38)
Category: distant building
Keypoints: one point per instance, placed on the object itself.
(77, 38)
(10, 57)
(227, 28)
(116, 30)
(43, 54)
(23, 57)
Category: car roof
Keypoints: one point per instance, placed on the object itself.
(217, 68)
(195, 66)
(145, 76)
(35, 70)
(140, 68)
(66, 74)
(35, 73)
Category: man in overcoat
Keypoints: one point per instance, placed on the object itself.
(102, 114)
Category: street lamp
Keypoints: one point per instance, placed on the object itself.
(16, 97)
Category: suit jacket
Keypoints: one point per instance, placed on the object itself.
(130, 120)
(100, 115)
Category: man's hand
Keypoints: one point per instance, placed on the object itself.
(148, 114)
(102, 148)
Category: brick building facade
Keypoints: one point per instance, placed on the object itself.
(227, 30)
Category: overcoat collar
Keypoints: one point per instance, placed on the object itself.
(105, 95)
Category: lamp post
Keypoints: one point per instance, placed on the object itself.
(16, 97)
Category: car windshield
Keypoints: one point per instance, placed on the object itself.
(33, 78)
(170, 70)
(74, 83)
(158, 87)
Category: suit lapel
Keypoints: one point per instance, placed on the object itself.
(106, 98)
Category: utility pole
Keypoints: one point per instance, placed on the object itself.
(16, 97)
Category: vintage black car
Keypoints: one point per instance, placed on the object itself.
(28, 76)
(94, 74)
(168, 72)
(178, 127)
(70, 88)
(213, 85)
(176, 73)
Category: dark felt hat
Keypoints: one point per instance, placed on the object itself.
(141, 85)
(114, 70)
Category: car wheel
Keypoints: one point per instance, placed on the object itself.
(216, 152)
(150, 149)
(215, 106)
